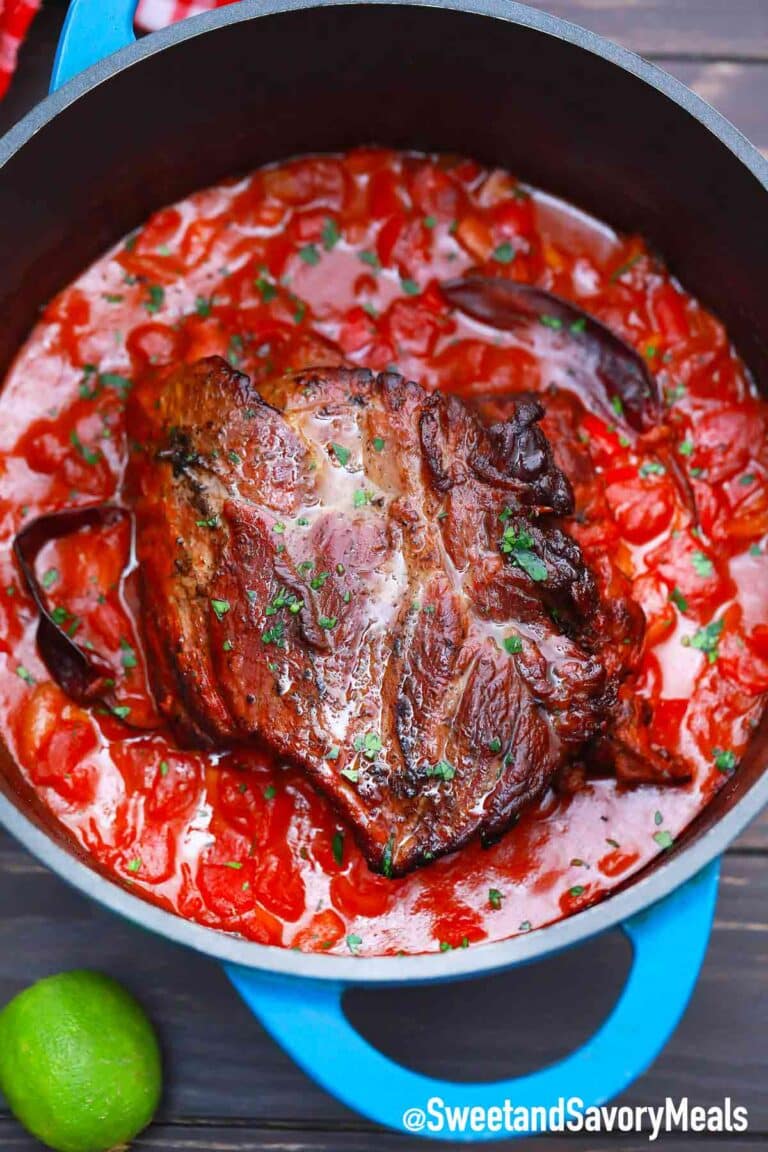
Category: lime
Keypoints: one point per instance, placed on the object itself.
(79, 1062)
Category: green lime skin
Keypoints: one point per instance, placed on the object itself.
(79, 1062)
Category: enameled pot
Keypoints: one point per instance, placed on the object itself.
(140, 125)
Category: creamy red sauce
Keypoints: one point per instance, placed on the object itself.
(331, 258)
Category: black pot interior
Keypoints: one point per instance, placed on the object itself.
(327, 78)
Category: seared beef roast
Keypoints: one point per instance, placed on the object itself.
(374, 583)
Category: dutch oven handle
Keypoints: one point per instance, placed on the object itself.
(92, 30)
(307, 1018)
(669, 941)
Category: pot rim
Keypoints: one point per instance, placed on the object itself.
(682, 864)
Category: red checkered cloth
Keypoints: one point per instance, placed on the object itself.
(154, 14)
(15, 19)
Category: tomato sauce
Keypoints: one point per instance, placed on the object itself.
(316, 261)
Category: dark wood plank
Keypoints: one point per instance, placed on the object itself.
(254, 1138)
(221, 1064)
(739, 91)
(714, 28)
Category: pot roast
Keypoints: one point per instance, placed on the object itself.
(377, 585)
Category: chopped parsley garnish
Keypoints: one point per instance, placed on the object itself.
(553, 322)
(513, 645)
(613, 843)
(332, 753)
(341, 453)
(266, 289)
(127, 656)
(686, 447)
(228, 646)
(658, 819)
(337, 847)
(236, 865)
(410, 287)
(50, 577)
(369, 744)
(578, 326)
(747, 479)
(430, 222)
(617, 405)
(300, 311)
(443, 770)
(270, 792)
(517, 544)
(386, 860)
(664, 838)
(495, 897)
(706, 640)
(725, 759)
(309, 254)
(361, 498)
(371, 259)
(164, 767)
(577, 890)
(155, 298)
(378, 443)
(24, 675)
(702, 565)
(623, 268)
(87, 453)
(122, 711)
(134, 865)
(353, 943)
(328, 622)
(351, 774)
(525, 926)
(220, 607)
(113, 297)
(504, 254)
(203, 306)
(211, 523)
(274, 635)
(330, 234)
(652, 468)
(494, 745)
(319, 580)
(678, 599)
(278, 527)
(284, 599)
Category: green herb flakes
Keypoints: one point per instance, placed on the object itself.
(127, 656)
(725, 759)
(330, 234)
(337, 847)
(495, 898)
(664, 839)
(513, 645)
(706, 640)
(369, 744)
(678, 599)
(353, 943)
(341, 453)
(155, 298)
(443, 770)
(220, 608)
(309, 254)
(504, 253)
(702, 565)
(517, 544)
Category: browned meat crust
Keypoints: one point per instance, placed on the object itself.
(375, 584)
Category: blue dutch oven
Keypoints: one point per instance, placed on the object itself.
(133, 125)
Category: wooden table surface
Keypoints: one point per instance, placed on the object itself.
(228, 1086)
